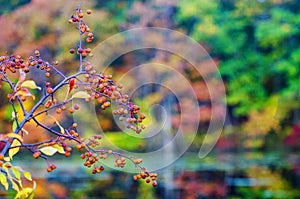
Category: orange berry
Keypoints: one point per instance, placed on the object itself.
(78, 146)
(58, 110)
(49, 169)
(67, 154)
(88, 12)
(49, 90)
(68, 149)
(37, 53)
(88, 50)
(71, 110)
(89, 40)
(84, 54)
(53, 166)
(36, 155)
(1, 156)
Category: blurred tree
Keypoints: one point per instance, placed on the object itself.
(256, 42)
(8, 6)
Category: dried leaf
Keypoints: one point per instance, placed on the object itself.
(48, 150)
(25, 131)
(30, 84)
(81, 94)
(62, 130)
(71, 85)
(24, 92)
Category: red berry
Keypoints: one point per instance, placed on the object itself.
(72, 50)
(67, 154)
(76, 106)
(154, 183)
(47, 84)
(40, 61)
(80, 50)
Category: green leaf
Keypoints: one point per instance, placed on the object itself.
(27, 175)
(7, 159)
(26, 193)
(14, 135)
(14, 151)
(48, 150)
(16, 173)
(3, 181)
(15, 186)
(14, 126)
(59, 148)
(30, 84)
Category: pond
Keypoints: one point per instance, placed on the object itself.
(248, 174)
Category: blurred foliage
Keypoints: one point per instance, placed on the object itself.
(124, 141)
(8, 6)
(265, 188)
(256, 42)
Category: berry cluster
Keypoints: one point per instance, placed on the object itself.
(95, 86)
(148, 177)
(102, 88)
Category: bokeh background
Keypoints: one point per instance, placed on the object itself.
(254, 43)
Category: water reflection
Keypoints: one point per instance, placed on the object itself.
(220, 175)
